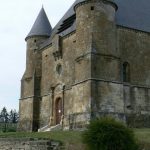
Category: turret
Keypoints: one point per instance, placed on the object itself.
(30, 83)
(40, 30)
(96, 40)
(97, 55)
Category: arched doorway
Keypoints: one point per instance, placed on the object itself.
(58, 110)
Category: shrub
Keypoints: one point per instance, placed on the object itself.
(11, 130)
(109, 134)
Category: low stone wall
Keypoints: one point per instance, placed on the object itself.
(28, 144)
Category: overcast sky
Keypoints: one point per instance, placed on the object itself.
(16, 20)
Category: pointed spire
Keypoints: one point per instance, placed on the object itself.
(41, 26)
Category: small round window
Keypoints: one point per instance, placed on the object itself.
(59, 69)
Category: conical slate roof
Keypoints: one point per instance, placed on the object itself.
(41, 26)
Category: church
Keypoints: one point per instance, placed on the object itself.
(95, 62)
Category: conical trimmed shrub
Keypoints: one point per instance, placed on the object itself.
(109, 134)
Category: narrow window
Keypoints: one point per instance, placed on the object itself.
(126, 72)
(92, 7)
(59, 69)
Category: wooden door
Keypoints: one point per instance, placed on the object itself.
(58, 110)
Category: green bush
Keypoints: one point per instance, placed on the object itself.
(11, 130)
(109, 134)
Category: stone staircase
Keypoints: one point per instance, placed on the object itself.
(52, 128)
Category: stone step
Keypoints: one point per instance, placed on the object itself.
(52, 128)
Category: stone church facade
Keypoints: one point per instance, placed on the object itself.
(94, 62)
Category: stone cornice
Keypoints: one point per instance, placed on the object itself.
(97, 80)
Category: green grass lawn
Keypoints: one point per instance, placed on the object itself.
(143, 136)
(73, 139)
(71, 136)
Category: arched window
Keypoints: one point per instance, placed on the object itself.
(126, 72)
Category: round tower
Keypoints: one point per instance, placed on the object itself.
(40, 31)
(98, 57)
(96, 37)
(31, 81)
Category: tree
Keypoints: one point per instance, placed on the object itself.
(13, 116)
(4, 115)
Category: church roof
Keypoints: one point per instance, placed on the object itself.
(133, 14)
(41, 26)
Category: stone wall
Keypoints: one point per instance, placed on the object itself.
(25, 114)
(107, 97)
(28, 144)
(134, 48)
